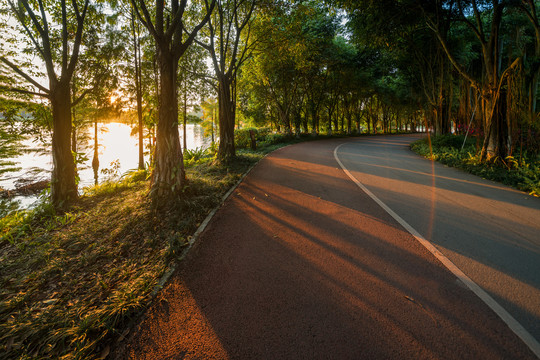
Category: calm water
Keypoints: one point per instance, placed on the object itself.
(115, 145)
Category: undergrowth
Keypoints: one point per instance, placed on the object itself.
(522, 172)
(71, 282)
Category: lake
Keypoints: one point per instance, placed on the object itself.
(116, 145)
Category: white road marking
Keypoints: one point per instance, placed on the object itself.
(512, 323)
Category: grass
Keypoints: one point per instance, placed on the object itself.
(521, 173)
(70, 283)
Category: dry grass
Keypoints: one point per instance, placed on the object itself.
(70, 283)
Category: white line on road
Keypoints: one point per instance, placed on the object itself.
(512, 323)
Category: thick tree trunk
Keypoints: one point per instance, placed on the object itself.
(168, 177)
(226, 149)
(63, 186)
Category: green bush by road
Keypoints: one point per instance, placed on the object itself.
(521, 172)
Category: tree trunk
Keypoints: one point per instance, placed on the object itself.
(168, 177)
(226, 150)
(495, 145)
(349, 123)
(314, 117)
(63, 186)
(141, 137)
(95, 159)
(212, 124)
(184, 116)
(138, 89)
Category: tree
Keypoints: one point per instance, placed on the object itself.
(95, 79)
(226, 29)
(289, 68)
(191, 81)
(137, 67)
(59, 51)
(166, 25)
(485, 24)
(529, 8)
(209, 108)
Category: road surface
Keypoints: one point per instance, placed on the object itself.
(301, 263)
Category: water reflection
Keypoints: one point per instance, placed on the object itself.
(118, 153)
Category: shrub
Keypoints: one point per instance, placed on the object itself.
(192, 156)
(522, 173)
(242, 138)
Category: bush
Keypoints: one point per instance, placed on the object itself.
(272, 139)
(199, 155)
(263, 136)
(242, 138)
(523, 173)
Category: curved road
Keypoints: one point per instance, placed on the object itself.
(300, 263)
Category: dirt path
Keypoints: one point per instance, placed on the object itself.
(300, 264)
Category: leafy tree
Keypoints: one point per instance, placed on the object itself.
(191, 80)
(485, 23)
(531, 9)
(53, 31)
(229, 31)
(210, 109)
(166, 24)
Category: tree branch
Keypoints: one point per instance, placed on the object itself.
(64, 37)
(181, 48)
(452, 59)
(77, 42)
(28, 32)
(24, 75)
(177, 19)
(32, 16)
(147, 20)
(23, 91)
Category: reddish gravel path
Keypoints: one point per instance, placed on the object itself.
(300, 264)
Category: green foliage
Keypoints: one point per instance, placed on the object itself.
(197, 155)
(522, 173)
(263, 137)
(242, 137)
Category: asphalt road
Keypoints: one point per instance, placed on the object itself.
(489, 231)
(300, 263)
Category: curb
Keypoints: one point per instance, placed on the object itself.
(193, 239)
(172, 268)
(139, 316)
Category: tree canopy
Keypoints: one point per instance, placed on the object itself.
(291, 66)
